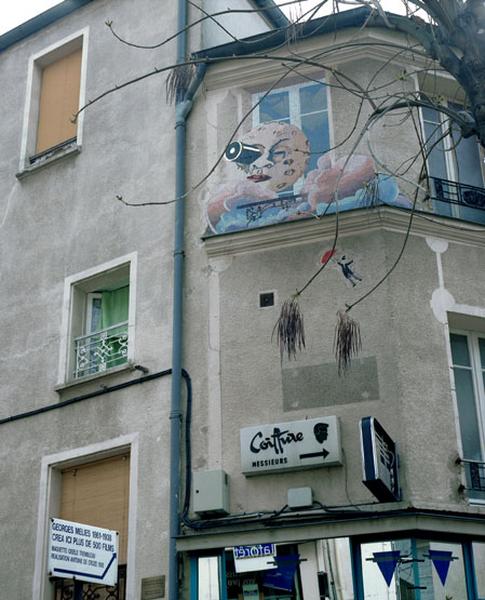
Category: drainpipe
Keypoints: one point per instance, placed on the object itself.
(182, 110)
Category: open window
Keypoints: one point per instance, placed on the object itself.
(99, 320)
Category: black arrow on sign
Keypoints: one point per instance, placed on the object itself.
(324, 453)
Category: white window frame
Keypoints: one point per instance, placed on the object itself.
(450, 162)
(49, 498)
(91, 296)
(37, 61)
(293, 101)
(295, 113)
(64, 375)
(477, 378)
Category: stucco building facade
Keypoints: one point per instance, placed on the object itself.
(278, 183)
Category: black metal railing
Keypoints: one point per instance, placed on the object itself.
(468, 199)
(64, 589)
(476, 475)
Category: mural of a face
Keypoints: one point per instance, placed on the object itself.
(284, 155)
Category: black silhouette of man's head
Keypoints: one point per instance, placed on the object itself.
(320, 432)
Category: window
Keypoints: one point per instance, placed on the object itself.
(468, 361)
(454, 160)
(58, 101)
(55, 91)
(97, 493)
(67, 485)
(400, 568)
(98, 324)
(305, 106)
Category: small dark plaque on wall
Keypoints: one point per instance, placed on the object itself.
(153, 588)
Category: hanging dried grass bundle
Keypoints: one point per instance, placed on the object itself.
(347, 342)
(178, 82)
(290, 333)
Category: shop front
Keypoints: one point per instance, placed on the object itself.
(409, 566)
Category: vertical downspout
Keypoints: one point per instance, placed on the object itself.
(182, 109)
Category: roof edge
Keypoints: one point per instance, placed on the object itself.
(263, 41)
(273, 13)
(39, 22)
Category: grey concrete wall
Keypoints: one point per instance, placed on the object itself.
(59, 221)
(64, 219)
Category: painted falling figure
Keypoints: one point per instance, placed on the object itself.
(347, 271)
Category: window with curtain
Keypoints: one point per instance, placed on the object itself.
(106, 331)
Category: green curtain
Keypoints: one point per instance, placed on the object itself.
(114, 306)
(114, 310)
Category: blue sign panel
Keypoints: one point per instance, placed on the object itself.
(442, 561)
(387, 562)
(380, 461)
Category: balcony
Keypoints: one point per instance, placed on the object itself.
(99, 351)
(475, 479)
(458, 200)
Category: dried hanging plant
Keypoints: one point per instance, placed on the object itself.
(347, 342)
(290, 333)
(178, 82)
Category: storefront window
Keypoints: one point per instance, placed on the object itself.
(208, 578)
(413, 569)
(400, 569)
(479, 564)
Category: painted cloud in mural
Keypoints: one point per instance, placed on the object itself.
(271, 183)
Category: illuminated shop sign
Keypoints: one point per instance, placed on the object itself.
(293, 445)
(380, 461)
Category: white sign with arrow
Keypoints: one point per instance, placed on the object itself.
(293, 445)
(83, 552)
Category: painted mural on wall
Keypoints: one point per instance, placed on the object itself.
(270, 182)
(344, 264)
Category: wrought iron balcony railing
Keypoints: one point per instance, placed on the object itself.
(475, 471)
(458, 200)
(96, 352)
(67, 589)
(474, 478)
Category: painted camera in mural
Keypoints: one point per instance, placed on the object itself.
(272, 183)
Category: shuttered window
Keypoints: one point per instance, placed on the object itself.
(97, 494)
(58, 101)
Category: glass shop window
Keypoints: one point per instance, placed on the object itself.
(314, 570)
(478, 549)
(413, 569)
(270, 578)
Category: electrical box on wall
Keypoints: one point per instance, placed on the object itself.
(211, 493)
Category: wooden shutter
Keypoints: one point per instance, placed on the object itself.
(97, 494)
(58, 101)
